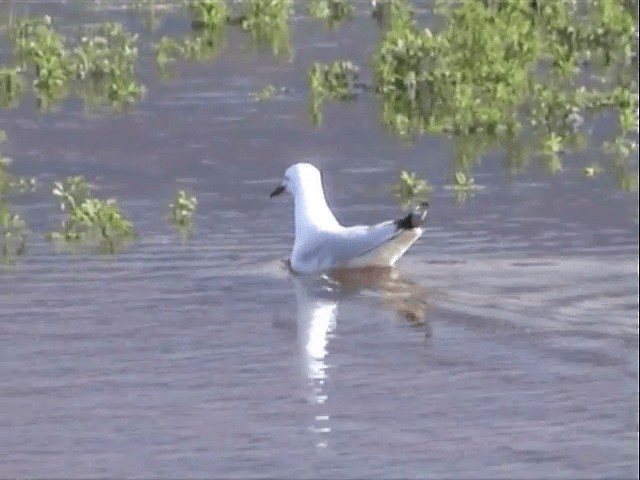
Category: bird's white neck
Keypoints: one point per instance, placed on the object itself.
(311, 210)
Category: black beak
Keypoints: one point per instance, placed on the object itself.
(277, 191)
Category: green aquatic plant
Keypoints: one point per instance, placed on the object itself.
(500, 67)
(202, 46)
(71, 192)
(13, 228)
(385, 12)
(89, 221)
(11, 87)
(463, 186)
(181, 211)
(265, 93)
(208, 15)
(267, 21)
(591, 170)
(462, 181)
(38, 45)
(105, 58)
(331, 11)
(13, 233)
(10, 183)
(208, 20)
(101, 64)
(409, 189)
(333, 81)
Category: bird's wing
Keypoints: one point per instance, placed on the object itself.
(385, 242)
(361, 245)
(379, 245)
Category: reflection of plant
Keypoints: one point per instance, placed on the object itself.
(89, 220)
(182, 209)
(409, 189)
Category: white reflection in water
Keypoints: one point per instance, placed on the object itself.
(316, 323)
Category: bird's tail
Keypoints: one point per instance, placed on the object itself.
(414, 219)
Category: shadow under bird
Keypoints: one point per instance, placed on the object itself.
(322, 244)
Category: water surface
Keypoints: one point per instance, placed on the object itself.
(505, 346)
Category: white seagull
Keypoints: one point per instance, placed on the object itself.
(322, 244)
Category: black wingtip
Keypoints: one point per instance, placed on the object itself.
(414, 219)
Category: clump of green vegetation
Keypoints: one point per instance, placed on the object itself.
(208, 15)
(181, 211)
(385, 11)
(208, 19)
(182, 208)
(499, 68)
(105, 58)
(38, 45)
(410, 190)
(102, 63)
(89, 221)
(333, 81)
(463, 186)
(268, 23)
(11, 87)
(331, 11)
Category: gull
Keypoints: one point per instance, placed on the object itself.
(321, 244)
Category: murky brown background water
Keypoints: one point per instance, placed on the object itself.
(209, 360)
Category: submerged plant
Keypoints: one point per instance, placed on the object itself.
(89, 221)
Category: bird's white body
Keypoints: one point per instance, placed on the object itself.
(322, 244)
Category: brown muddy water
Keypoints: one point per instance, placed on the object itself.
(210, 360)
